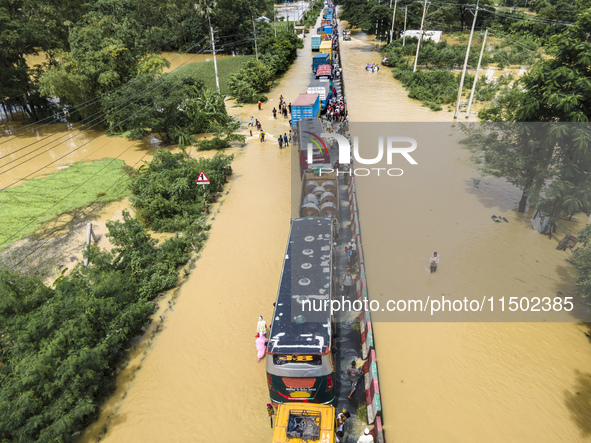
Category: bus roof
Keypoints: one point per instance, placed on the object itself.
(309, 260)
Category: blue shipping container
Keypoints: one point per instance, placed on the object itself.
(316, 40)
(305, 106)
(320, 59)
(328, 29)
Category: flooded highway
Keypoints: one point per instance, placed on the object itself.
(198, 379)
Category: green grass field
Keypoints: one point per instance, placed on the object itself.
(26, 207)
(205, 71)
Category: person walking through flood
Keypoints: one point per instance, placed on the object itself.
(251, 121)
(366, 437)
(260, 103)
(347, 283)
(262, 326)
(434, 262)
(274, 113)
(285, 140)
(280, 141)
(353, 373)
(262, 136)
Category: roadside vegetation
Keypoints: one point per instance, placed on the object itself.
(61, 345)
(536, 135)
(515, 39)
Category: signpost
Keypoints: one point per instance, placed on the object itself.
(203, 180)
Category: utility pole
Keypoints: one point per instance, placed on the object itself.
(420, 35)
(466, 62)
(393, 19)
(215, 64)
(404, 33)
(256, 49)
(476, 77)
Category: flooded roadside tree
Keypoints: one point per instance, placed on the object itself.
(554, 171)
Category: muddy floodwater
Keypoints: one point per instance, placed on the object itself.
(198, 380)
(462, 382)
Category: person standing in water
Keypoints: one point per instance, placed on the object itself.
(262, 326)
(434, 262)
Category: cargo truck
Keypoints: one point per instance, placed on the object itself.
(316, 40)
(305, 106)
(326, 48)
(309, 133)
(320, 59)
(324, 72)
(322, 88)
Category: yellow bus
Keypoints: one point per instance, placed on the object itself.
(304, 423)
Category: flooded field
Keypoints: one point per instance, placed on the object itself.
(198, 380)
(462, 382)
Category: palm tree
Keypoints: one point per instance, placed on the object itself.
(205, 9)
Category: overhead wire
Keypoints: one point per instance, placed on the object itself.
(84, 144)
(100, 119)
(78, 187)
(87, 103)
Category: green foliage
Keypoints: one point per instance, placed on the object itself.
(556, 90)
(252, 80)
(57, 347)
(165, 194)
(149, 269)
(60, 347)
(433, 88)
(581, 260)
(280, 52)
(173, 108)
(218, 143)
(106, 51)
(39, 200)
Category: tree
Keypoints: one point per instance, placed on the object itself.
(557, 90)
(253, 79)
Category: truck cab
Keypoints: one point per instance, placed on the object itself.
(304, 423)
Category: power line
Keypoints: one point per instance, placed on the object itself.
(78, 187)
(88, 103)
(84, 144)
(96, 122)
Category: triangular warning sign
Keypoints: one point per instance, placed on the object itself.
(202, 179)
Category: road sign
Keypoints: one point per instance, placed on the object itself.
(202, 179)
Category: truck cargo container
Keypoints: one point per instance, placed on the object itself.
(320, 59)
(326, 48)
(309, 130)
(316, 40)
(328, 30)
(319, 195)
(322, 88)
(305, 106)
(324, 72)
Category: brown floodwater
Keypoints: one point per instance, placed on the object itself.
(199, 373)
(198, 379)
(462, 382)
